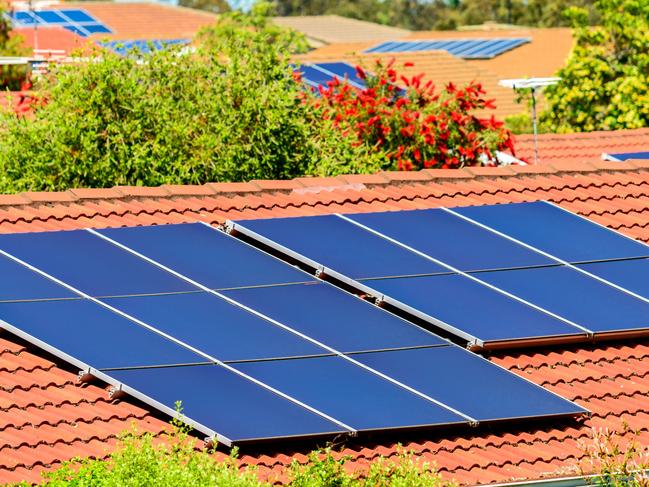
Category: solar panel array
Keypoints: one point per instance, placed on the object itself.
(78, 21)
(495, 276)
(253, 347)
(321, 74)
(464, 48)
(124, 48)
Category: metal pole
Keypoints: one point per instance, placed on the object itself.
(536, 134)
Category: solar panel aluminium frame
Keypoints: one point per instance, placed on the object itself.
(473, 342)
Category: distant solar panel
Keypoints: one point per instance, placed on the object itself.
(506, 260)
(77, 21)
(123, 48)
(320, 74)
(264, 352)
(625, 156)
(464, 48)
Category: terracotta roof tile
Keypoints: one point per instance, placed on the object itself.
(47, 417)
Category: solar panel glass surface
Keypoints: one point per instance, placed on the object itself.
(226, 403)
(350, 393)
(333, 317)
(77, 15)
(90, 264)
(205, 255)
(630, 274)
(468, 383)
(472, 310)
(342, 246)
(93, 334)
(20, 283)
(215, 326)
(448, 238)
(575, 296)
(556, 231)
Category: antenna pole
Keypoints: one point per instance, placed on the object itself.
(536, 132)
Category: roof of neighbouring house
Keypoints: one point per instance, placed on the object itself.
(47, 417)
(330, 29)
(547, 51)
(127, 21)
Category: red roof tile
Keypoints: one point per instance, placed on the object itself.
(47, 417)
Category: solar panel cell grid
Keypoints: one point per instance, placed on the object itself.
(464, 48)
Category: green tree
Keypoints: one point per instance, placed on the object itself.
(11, 77)
(605, 83)
(230, 111)
(214, 6)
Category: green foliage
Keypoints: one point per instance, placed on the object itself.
(441, 14)
(11, 77)
(228, 112)
(214, 6)
(605, 83)
(617, 459)
(520, 123)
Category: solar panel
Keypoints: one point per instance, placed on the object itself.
(92, 334)
(454, 241)
(474, 253)
(201, 256)
(319, 310)
(334, 243)
(583, 300)
(370, 402)
(467, 382)
(626, 156)
(237, 410)
(263, 357)
(556, 231)
(24, 284)
(470, 310)
(464, 48)
(77, 21)
(72, 256)
(320, 74)
(630, 274)
(215, 326)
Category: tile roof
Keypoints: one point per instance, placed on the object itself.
(582, 147)
(51, 38)
(547, 51)
(439, 66)
(46, 416)
(328, 29)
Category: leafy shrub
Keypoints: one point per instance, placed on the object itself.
(616, 458)
(605, 82)
(417, 129)
(228, 112)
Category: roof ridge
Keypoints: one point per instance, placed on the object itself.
(313, 184)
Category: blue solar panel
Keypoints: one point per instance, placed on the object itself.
(343, 247)
(77, 16)
(464, 48)
(472, 310)
(343, 71)
(216, 327)
(556, 231)
(468, 383)
(333, 317)
(206, 255)
(226, 403)
(90, 264)
(320, 74)
(124, 48)
(19, 283)
(575, 296)
(349, 393)
(93, 334)
(448, 238)
(49, 17)
(626, 156)
(630, 274)
(76, 21)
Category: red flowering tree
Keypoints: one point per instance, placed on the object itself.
(416, 127)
